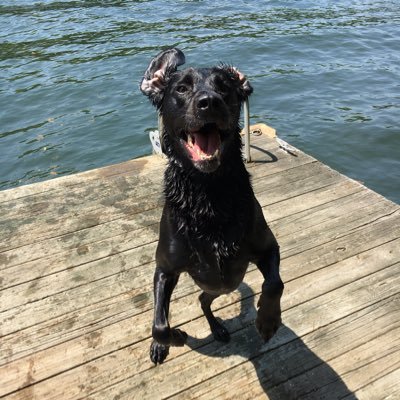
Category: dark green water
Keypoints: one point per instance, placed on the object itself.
(326, 75)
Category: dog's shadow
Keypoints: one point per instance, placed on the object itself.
(286, 368)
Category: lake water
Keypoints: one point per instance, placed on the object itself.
(326, 75)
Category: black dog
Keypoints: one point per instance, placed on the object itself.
(212, 226)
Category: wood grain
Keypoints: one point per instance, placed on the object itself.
(77, 262)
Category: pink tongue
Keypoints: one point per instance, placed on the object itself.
(207, 143)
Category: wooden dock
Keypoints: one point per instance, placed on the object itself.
(77, 261)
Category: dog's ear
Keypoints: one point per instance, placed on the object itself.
(244, 87)
(156, 77)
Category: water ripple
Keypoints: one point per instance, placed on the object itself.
(325, 75)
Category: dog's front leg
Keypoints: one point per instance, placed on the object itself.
(269, 312)
(163, 335)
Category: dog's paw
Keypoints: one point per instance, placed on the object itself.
(158, 352)
(267, 326)
(268, 317)
(220, 333)
(178, 337)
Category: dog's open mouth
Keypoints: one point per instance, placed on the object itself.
(203, 144)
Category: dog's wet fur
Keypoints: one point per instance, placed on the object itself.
(212, 226)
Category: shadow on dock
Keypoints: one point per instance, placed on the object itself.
(286, 368)
(272, 157)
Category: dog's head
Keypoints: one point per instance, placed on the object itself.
(200, 108)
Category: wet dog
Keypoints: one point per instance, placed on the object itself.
(212, 226)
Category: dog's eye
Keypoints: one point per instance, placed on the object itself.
(221, 87)
(223, 90)
(181, 89)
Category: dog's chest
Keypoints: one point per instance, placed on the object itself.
(215, 274)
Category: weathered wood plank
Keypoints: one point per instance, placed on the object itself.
(14, 257)
(83, 178)
(261, 152)
(85, 207)
(301, 201)
(125, 211)
(282, 372)
(113, 309)
(115, 336)
(384, 388)
(77, 258)
(84, 241)
(122, 366)
(296, 239)
(335, 227)
(306, 179)
(74, 250)
(81, 250)
(188, 366)
(79, 216)
(81, 247)
(39, 228)
(82, 253)
(370, 361)
(63, 199)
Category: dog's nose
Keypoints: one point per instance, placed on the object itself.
(203, 102)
